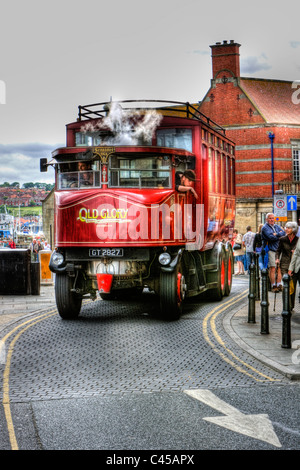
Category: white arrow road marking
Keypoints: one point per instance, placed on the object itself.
(256, 426)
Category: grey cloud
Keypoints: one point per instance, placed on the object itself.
(21, 162)
(198, 51)
(254, 64)
(294, 44)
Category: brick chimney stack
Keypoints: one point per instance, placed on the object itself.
(225, 57)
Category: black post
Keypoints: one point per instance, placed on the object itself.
(251, 296)
(286, 313)
(257, 280)
(264, 326)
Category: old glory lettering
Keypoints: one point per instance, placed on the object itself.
(98, 216)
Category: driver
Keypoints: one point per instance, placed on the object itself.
(86, 176)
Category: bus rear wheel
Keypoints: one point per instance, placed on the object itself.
(218, 292)
(172, 293)
(229, 271)
(68, 303)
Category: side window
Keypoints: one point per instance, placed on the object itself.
(175, 138)
(211, 175)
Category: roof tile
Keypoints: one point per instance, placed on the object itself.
(273, 99)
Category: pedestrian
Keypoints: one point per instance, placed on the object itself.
(40, 245)
(46, 245)
(271, 233)
(11, 243)
(294, 267)
(248, 240)
(298, 232)
(238, 251)
(258, 248)
(285, 250)
(34, 250)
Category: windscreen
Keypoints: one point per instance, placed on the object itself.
(140, 171)
(130, 171)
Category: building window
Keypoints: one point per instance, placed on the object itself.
(296, 164)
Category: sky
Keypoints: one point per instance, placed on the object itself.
(57, 55)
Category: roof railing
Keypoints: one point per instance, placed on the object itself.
(185, 109)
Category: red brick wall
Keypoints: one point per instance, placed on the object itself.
(258, 170)
(228, 105)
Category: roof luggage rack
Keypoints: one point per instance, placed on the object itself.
(183, 109)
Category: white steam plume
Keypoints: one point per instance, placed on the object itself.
(128, 127)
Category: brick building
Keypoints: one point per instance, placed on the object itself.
(263, 118)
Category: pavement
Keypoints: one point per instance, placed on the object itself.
(267, 348)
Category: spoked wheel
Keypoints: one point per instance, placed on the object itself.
(172, 293)
(229, 271)
(68, 302)
(219, 292)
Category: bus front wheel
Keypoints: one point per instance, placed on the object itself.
(172, 293)
(68, 303)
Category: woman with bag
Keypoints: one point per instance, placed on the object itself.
(285, 250)
(238, 251)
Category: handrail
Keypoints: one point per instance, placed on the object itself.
(189, 111)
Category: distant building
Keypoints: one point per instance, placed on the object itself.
(12, 196)
(263, 118)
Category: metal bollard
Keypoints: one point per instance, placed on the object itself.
(286, 313)
(264, 324)
(257, 278)
(251, 296)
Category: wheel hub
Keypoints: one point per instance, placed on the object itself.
(181, 287)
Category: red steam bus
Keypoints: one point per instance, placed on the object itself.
(144, 198)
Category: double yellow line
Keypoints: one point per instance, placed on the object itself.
(239, 365)
(5, 400)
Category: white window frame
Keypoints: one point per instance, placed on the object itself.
(296, 159)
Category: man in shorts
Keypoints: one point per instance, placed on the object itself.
(270, 234)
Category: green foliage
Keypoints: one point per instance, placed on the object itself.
(46, 186)
(24, 211)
